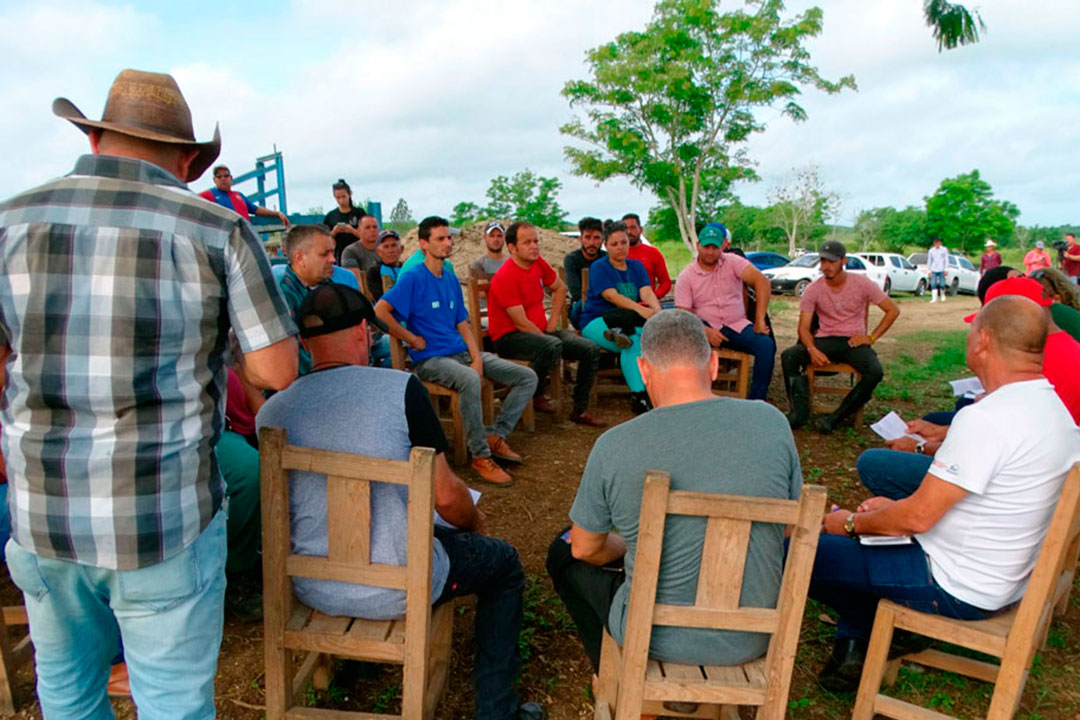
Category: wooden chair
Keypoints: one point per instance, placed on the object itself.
(361, 277)
(439, 394)
(13, 655)
(476, 288)
(814, 373)
(734, 374)
(631, 684)
(1012, 636)
(420, 642)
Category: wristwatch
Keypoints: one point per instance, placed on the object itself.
(920, 448)
(849, 526)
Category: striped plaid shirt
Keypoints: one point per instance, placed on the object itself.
(118, 287)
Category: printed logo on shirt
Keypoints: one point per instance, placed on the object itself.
(435, 304)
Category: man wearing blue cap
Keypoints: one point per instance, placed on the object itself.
(711, 288)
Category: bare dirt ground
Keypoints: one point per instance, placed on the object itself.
(529, 514)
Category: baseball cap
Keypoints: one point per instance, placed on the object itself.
(330, 307)
(833, 250)
(1022, 286)
(387, 233)
(713, 233)
(494, 225)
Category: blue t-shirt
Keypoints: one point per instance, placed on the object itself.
(604, 276)
(222, 198)
(430, 307)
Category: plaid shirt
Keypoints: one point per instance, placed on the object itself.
(118, 287)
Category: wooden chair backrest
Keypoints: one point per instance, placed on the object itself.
(475, 289)
(723, 559)
(348, 503)
(584, 283)
(1056, 559)
(361, 277)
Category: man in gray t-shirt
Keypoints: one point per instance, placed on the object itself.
(489, 263)
(704, 443)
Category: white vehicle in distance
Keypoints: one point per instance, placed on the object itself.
(797, 275)
(902, 275)
(960, 275)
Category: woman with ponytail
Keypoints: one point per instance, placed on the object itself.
(344, 220)
(619, 300)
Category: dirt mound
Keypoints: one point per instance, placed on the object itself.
(469, 245)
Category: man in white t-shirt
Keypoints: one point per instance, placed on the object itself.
(979, 516)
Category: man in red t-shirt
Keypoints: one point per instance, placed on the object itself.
(647, 255)
(1070, 259)
(521, 330)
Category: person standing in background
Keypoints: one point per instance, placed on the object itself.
(344, 220)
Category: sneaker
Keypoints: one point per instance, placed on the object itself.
(544, 405)
(531, 711)
(490, 472)
(587, 418)
(618, 339)
(500, 450)
(639, 403)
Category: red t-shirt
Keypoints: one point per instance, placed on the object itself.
(238, 416)
(512, 286)
(1069, 266)
(655, 265)
(1061, 358)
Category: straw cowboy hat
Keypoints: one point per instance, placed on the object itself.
(990, 243)
(148, 106)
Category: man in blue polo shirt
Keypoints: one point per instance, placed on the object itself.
(223, 194)
(443, 349)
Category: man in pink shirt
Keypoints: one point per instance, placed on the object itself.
(712, 288)
(840, 301)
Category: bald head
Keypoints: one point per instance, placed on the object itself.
(1015, 326)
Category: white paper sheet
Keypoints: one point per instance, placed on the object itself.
(885, 539)
(442, 523)
(892, 426)
(967, 387)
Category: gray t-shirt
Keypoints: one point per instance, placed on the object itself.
(721, 445)
(370, 411)
(485, 265)
(358, 256)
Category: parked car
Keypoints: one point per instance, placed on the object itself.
(797, 275)
(902, 275)
(960, 275)
(763, 259)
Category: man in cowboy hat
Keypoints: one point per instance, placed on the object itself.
(118, 291)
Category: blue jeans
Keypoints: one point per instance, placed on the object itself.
(454, 372)
(490, 569)
(627, 358)
(892, 473)
(379, 354)
(763, 348)
(170, 616)
(937, 281)
(851, 578)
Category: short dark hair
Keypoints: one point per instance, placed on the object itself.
(342, 185)
(590, 223)
(627, 216)
(1072, 235)
(514, 229)
(300, 235)
(423, 231)
(611, 227)
(220, 167)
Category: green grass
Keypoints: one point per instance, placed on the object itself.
(915, 379)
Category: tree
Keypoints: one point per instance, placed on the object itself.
(802, 206)
(464, 213)
(890, 229)
(525, 196)
(963, 213)
(668, 107)
(401, 212)
(952, 23)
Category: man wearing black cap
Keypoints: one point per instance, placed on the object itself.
(489, 263)
(347, 407)
(840, 302)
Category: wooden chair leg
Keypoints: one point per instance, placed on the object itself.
(607, 686)
(877, 654)
(461, 450)
(556, 387)
(7, 670)
(528, 418)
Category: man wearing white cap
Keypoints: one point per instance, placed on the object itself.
(1037, 259)
(489, 263)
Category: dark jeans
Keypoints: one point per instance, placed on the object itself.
(574, 315)
(850, 578)
(490, 569)
(945, 417)
(623, 320)
(587, 591)
(544, 351)
(763, 348)
(892, 473)
(863, 358)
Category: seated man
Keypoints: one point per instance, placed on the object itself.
(979, 515)
(896, 472)
(712, 288)
(389, 252)
(647, 255)
(310, 250)
(443, 349)
(841, 301)
(678, 368)
(521, 330)
(495, 241)
(591, 235)
(346, 407)
(361, 254)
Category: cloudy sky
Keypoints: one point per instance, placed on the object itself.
(428, 100)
